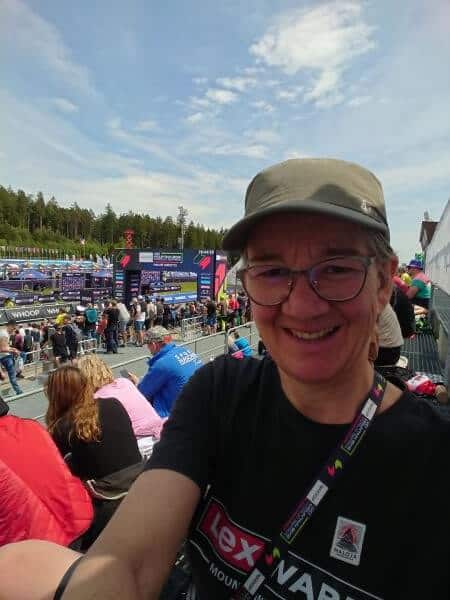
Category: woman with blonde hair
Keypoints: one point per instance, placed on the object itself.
(97, 433)
(146, 423)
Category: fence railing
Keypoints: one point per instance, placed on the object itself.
(192, 328)
(207, 347)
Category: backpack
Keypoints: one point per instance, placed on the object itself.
(27, 343)
(75, 332)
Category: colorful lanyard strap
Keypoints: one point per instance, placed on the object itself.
(322, 484)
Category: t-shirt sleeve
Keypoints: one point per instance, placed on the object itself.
(417, 283)
(188, 441)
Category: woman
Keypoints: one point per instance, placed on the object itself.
(419, 291)
(243, 456)
(146, 423)
(96, 433)
(97, 438)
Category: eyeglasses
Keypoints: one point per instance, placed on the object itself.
(336, 279)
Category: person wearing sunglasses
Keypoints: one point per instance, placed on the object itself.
(304, 474)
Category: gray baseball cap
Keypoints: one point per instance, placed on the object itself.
(315, 185)
(157, 334)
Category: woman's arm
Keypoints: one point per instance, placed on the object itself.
(133, 556)
(412, 291)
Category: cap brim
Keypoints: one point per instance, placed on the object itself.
(236, 237)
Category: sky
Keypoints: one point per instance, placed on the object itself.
(151, 105)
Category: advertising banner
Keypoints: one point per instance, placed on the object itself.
(32, 313)
(176, 276)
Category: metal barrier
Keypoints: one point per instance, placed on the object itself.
(43, 365)
(207, 347)
(192, 328)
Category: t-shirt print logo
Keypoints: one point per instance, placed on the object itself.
(348, 541)
(236, 546)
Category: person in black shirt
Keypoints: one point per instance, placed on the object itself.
(251, 440)
(97, 433)
(112, 313)
(59, 345)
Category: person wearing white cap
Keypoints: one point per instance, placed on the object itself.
(305, 474)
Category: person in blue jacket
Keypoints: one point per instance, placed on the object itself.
(238, 343)
(170, 367)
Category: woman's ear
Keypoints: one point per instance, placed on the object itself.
(386, 272)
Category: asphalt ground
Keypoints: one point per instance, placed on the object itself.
(34, 403)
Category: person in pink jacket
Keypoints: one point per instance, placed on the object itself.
(147, 424)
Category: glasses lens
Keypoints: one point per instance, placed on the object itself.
(339, 278)
(267, 285)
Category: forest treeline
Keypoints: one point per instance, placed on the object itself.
(31, 222)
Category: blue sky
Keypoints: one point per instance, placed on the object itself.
(149, 105)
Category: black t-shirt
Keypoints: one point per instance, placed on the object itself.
(112, 314)
(234, 430)
(211, 309)
(116, 449)
(59, 343)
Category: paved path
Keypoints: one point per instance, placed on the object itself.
(36, 404)
(135, 359)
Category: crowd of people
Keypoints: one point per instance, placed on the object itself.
(309, 473)
(111, 324)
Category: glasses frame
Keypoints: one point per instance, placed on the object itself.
(295, 273)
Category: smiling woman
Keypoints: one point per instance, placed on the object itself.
(290, 474)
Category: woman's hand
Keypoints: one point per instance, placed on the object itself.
(134, 378)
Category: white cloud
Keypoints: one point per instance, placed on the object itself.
(221, 96)
(195, 118)
(294, 153)
(148, 125)
(64, 105)
(28, 34)
(272, 82)
(359, 100)
(324, 39)
(200, 102)
(253, 70)
(289, 94)
(263, 136)
(240, 84)
(262, 105)
(417, 175)
(249, 150)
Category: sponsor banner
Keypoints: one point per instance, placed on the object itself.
(175, 298)
(29, 313)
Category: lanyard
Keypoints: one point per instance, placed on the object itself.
(326, 479)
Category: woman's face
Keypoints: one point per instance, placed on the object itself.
(341, 331)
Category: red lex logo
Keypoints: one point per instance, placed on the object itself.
(237, 547)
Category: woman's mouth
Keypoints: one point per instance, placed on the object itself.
(313, 335)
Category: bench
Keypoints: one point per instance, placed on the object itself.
(428, 353)
(423, 357)
(440, 324)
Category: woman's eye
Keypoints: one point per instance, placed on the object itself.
(272, 273)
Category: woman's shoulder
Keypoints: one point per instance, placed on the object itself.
(227, 377)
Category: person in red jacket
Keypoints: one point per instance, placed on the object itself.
(39, 497)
